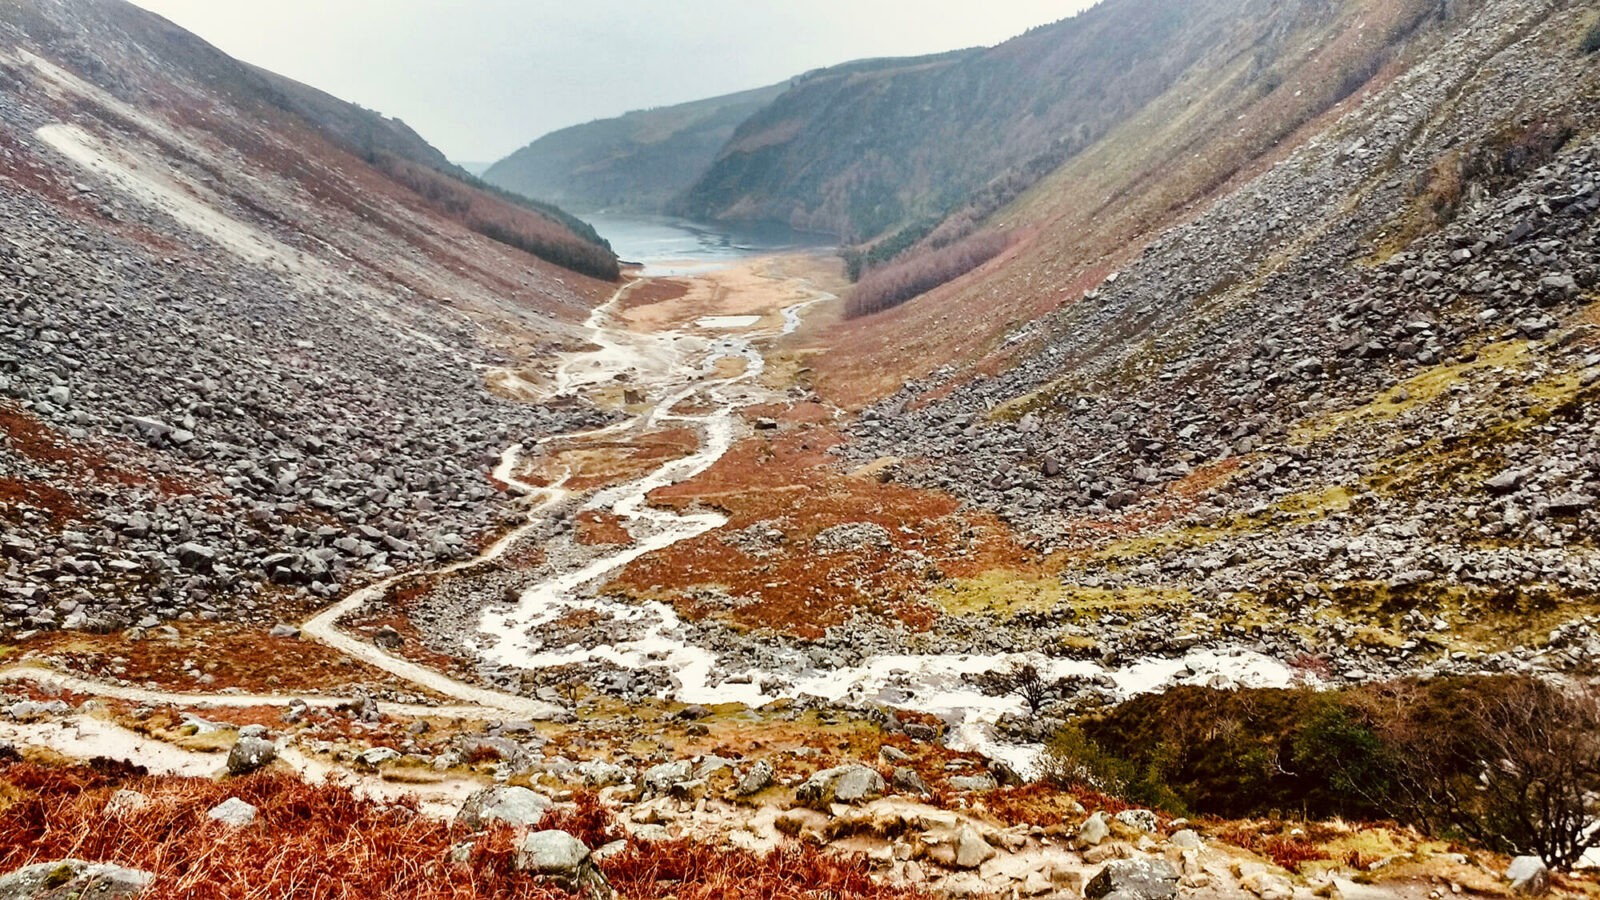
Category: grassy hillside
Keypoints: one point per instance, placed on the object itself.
(637, 162)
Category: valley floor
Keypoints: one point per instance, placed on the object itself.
(712, 622)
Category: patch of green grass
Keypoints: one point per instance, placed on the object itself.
(1006, 593)
(1419, 389)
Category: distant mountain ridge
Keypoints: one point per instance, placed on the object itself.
(858, 150)
(637, 162)
(870, 148)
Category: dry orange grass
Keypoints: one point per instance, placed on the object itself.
(308, 841)
(790, 481)
(592, 464)
(601, 529)
(233, 655)
(650, 291)
(324, 843)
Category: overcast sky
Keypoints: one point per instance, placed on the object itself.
(480, 78)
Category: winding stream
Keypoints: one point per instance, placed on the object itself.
(515, 635)
(675, 367)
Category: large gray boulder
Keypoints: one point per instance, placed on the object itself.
(564, 861)
(851, 785)
(514, 806)
(73, 878)
(1134, 879)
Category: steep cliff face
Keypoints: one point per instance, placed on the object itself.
(639, 162)
(860, 149)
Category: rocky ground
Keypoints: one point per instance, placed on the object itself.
(1338, 424)
(913, 814)
(1355, 392)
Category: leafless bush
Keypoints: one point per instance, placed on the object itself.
(1025, 681)
(1516, 768)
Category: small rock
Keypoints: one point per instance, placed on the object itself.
(233, 812)
(1138, 819)
(906, 779)
(758, 779)
(250, 753)
(973, 783)
(1267, 886)
(1093, 831)
(599, 773)
(1186, 840)
(376, 757)
(660, 779)
(972, 850)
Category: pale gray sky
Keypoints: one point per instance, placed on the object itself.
(480, 78)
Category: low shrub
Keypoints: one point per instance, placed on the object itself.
(1512, 763)
(1074, 761)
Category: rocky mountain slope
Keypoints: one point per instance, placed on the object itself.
(239, 359)
(1345, 408)
(639, 162)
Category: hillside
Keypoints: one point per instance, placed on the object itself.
(1348, 392)
(638, 162)
(859, 150)
(221, 315)
(384, 143)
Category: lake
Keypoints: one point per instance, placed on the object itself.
(671, 246)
